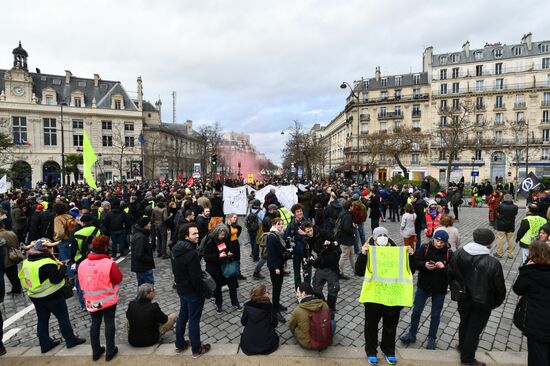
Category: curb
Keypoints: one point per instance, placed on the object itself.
(230, 354)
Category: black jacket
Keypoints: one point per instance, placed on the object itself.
(202, 224)
(217, 207)
(330, 215)
(48, 272)
(505, 215)
(374, 205)
(46, 223)
(345, 233)
(35, 227)
(116, 220)
(328, 256)
(142, 250)
(213, 260)
(259, 337)
(186, 267)
(144, 318)
(419, 208)
(433, 281)
(533, 283)
(482, 275)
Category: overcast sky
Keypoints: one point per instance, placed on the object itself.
(254, 66)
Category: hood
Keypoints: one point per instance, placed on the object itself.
(182, 247)
(312, 305)
(336, 204)
(257, 311)
(140, 229)
(539, 273)
(476, 249)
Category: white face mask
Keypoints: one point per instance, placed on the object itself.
(382, 240)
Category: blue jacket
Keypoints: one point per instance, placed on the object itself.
(275, 250)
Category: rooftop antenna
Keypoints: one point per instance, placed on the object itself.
(173, 107)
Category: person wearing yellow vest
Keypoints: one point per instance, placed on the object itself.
(99, 277)
(529, 230)
(81, 242)
(383, 293)
(43, 278)
(286, 215)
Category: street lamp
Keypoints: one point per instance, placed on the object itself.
(473, 170)
(63, 104)
(345, 85)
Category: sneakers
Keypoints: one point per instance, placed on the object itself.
(408, 338)
(343, 276)
(372, 360)
(430, 343)
(238, 307)
(258, 276)
(219, 309)
(392, 360)
(204, 349)
(3, 351)
(510, 256)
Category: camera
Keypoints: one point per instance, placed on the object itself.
(288, 254)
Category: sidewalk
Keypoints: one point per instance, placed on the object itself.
(228, 354)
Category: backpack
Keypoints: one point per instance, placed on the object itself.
(87, 244)
(337, 226)
(70, 223)
(262, 243)
(252, 223)
(320, 329)
(358, 214)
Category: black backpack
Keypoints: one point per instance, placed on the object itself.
(252, 223)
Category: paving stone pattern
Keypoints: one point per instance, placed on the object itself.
(499, 335)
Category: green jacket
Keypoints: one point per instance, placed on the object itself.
(299, 320)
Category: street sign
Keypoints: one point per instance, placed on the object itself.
(475, 174)
(300, 171)
(197, 167)
(250, 178)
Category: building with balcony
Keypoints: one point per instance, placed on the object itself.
(508, 87)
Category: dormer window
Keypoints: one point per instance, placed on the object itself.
(442, 60)
(384, 82)
(78, 102)
(117, 102)
(517, 51)
(398, 81)
(545, 47)
(455, 58)
(498, 52)
(49, 97)
(416, 79)
(478, 55)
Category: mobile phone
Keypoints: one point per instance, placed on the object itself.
(432, 262)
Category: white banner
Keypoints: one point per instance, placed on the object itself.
(234, 200)
(3, 185)
(287, 195)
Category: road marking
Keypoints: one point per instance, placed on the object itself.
(17, 316)
(120, 259)
(10, 333)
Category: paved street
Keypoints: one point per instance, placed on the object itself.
(500, 334)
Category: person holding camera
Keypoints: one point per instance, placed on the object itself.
(301, 251)
(276, 257)
(431, 261)
(325, 258)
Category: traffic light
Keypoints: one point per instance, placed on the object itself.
(214, 159)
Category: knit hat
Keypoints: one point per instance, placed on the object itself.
(272, 207)
(507, 197)
(86, 218)
(256, 203)
(355, 197)
(441, 235)
(148, 194)
(432, 202)
(484, 236)
(143, 221)
(379, 231)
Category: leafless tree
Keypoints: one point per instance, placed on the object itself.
(151, 151)
(210, 137)
(6, 143)
(302, 148)
(122, 148)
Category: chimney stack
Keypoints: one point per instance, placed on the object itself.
(466, 48)
(158, 104)
(140, 94)
(96, 80)
(527, 40)
(377, 73)
(189, 127)
(68, 76)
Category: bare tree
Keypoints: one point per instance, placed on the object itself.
(151, 152)
(455, 129)
(6, 143)
(122, 147)
(210, 137)
(302, 148)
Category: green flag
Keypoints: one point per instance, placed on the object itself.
(89, 161)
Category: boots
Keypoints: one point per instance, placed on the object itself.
(331, 301)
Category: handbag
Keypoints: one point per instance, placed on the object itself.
(68, 289)
(520, 314)
(459, 292)
(209, 285)
(231, 269)
(15, 255)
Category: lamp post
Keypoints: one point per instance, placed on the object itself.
(63, 104)
(473, 170)
(345, 85)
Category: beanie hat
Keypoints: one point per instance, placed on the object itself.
(432, 202)
(256, 203)
(272, 207)
(39, 208)
(86, 218)
(143, 221)
(441, 235)
(507, 197)
(484, 236)
(379, 231)
(355, 197)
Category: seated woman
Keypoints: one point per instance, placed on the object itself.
(146, 322)
(259, 319)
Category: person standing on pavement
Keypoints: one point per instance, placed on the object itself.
(447, 223)
(116, 225)
(43, 277)
(374, 206)
(419, 206)
(99, 277)
(431, 261)
(406, 228)
(359, 214)
(186, 268)
(233, 243)
(10, 267)
(344, 234)
(2, 293)
(63, 224)
(203, 223)
(505, 222)
(276, 248)
(253, 227)
(159, 218)
(533, 285)
(19, 219)
(143, 261)
(528, 230)
(295, 234)
(482, 276)
(81, 243)
(216, 212)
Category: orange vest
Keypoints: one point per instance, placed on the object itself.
(431, 224)
(95, 282)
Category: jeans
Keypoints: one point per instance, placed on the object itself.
(255, 249)
(277, 284)
(118, 239)
(420, 298)
(473, 318)
(191, 306)
(145, 277)
(64, 251)
(58, 307)
(361, 230)
(232, 285)
(524, 254)
(109, 315)
(79, 292)
(161, 233)
(11, 273)
(374, 222)
(297, 260)
(260, 264)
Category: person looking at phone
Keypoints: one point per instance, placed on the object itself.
(431, 262)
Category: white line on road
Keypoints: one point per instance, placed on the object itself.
(10, 333)
(120, 260)
(17, 316)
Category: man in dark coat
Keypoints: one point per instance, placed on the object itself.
(505, 215)
(143, 261)
(345, 234)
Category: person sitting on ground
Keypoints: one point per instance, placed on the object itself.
(300, 321)
(259, 319)
(146, 322)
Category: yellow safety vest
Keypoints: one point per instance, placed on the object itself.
(535, 223)
(285, 215)
(127, 210)
(45, 204)
(30, 278)
(388, 278)
(80, 237)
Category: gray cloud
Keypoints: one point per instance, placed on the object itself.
(254, 66)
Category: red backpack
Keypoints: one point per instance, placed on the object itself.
(320, 329)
